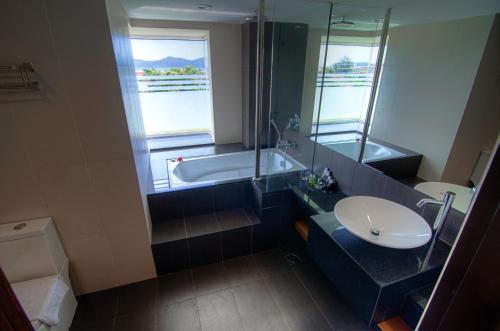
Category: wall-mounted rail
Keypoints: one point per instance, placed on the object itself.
(17, 78)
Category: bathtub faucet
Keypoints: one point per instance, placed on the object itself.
(281, 142)
(278, 133)
(443, 211)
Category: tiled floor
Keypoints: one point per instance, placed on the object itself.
(254, 292)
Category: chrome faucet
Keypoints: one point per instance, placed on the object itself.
(443, 211)
(280, 141)
(278, 133)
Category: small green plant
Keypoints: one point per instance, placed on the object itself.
(187, 70)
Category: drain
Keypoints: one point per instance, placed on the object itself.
(375, 232)
(293, 259)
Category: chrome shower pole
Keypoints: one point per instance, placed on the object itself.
(259, 86)
(376, 77)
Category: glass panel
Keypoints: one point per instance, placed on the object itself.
(295, 29)
(351, 53)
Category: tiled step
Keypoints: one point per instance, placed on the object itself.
(203, 239)
(201, 225)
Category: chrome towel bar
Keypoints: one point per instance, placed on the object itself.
(17, 77)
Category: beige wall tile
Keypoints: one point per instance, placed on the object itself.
(30, 40)
(71, 201)
(13, 154)
(56, 145)
(124, 223)
(134, 266)
(21, 196)
(96, 102)
(81, 32)
(91, 264)
(47, 129)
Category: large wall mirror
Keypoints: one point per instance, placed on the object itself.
(433, 119)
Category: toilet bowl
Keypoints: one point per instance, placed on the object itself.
(36, 266)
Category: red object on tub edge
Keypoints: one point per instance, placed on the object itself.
(180, 158)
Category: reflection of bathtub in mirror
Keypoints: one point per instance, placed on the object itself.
(373, 151)
(394, 161)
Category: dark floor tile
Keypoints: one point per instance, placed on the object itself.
(264, 237)
(236, 242)
(233, 219)
(271, 262)
(94, 325)
(232, 195)
(205, 249)
(175, 288)
(271, 199)
(165, 206)
(210, 278)
(329, 300)
(171, 256)
(182, 316)
(257, 308)
(167, 231)
(242, 270)
(254, 219)
(201, 224)
(198, 201)
(136, 322)
(357, 326)
(98, 308)
(138, 298)
(219, 311)
(297, 307)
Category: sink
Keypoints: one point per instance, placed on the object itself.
(463, 195)
(382, 222)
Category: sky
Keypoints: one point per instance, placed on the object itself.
(145, 49)
(356, 53)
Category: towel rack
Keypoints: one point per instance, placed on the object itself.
(17, 77)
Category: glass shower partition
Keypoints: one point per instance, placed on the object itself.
(293, 75)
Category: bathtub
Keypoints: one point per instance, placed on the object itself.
(226, 167)
(373, 151)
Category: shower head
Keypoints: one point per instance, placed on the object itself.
(343, 23)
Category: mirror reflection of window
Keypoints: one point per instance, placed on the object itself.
(344, 85)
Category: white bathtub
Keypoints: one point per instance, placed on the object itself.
(373, 151)
(224, 167)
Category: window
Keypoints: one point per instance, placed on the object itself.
(174, 79)
(347, 85)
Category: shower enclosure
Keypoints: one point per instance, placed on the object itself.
(317, 79)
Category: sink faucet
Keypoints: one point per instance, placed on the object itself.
(443, 211)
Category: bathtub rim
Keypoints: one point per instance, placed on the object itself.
(221, 181)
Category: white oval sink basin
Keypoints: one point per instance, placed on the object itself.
(382, 222)
(463, 195)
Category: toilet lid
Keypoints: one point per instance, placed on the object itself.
(24, 229)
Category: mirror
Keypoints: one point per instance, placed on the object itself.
(348, 61)
(434, 119)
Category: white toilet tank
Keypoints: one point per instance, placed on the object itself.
(30, 249)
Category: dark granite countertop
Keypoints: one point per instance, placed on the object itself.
(383, 265)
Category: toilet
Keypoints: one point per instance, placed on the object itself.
(34, 262)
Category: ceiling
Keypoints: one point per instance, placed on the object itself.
(313, 12)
